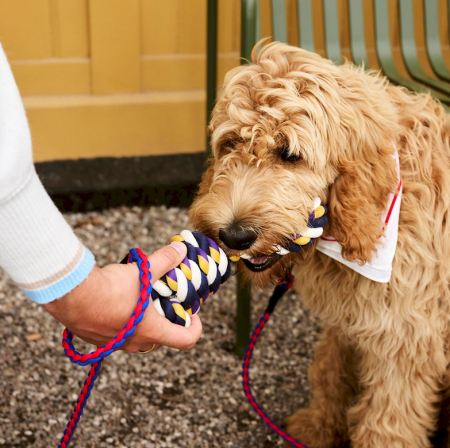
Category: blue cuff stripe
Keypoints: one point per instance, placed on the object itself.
(66, 284)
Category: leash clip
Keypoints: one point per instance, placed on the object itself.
(286, 282)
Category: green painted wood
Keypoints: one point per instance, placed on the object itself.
(384, 53)
(258, 36)
(357, 33)
(249, 14)
(279, 22)
(250, 34)
(305, 25)
(243, 315)
(409, 49)
(332, 40)
(211, 66)
(433, 42)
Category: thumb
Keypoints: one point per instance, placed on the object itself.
(166, 258)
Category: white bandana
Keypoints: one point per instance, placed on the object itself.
(379, 269)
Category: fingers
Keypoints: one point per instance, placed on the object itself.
(166, 258)
(180, 337)
(176, 336)
(172, 335)
(169, 334)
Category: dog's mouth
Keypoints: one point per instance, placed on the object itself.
(261, 263)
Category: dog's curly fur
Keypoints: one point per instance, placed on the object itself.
(382, 364)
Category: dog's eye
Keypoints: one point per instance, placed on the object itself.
(287, 156)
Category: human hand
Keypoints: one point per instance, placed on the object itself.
(98, 308)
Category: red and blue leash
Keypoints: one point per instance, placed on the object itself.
(95, 358)
(283, 286)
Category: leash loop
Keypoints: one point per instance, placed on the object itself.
(96, 357)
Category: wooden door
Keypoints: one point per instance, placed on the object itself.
(114, 77)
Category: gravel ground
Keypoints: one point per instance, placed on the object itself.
(165, 399)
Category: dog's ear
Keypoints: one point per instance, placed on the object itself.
(356, 202)
(367, 169)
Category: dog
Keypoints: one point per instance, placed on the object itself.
(291, 126)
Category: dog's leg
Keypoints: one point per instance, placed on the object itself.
(400, 387)
(332, 377)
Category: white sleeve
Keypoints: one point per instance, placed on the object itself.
(38, 249)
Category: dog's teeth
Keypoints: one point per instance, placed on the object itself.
(246, 257)
(259, 260)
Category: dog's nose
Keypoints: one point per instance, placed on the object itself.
(237, 237)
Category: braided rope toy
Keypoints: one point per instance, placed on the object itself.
(177, 296)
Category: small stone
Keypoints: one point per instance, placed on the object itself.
(34, 337)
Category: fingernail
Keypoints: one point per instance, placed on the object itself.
(179, 247)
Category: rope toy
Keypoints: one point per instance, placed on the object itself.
(177, 296)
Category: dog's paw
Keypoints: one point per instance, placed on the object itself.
(309, 428)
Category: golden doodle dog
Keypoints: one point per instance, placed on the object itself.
(290, 127)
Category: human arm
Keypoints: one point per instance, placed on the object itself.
(41, 253)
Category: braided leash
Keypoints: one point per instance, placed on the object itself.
(95, 358)
(284, 285)
(178, 296)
